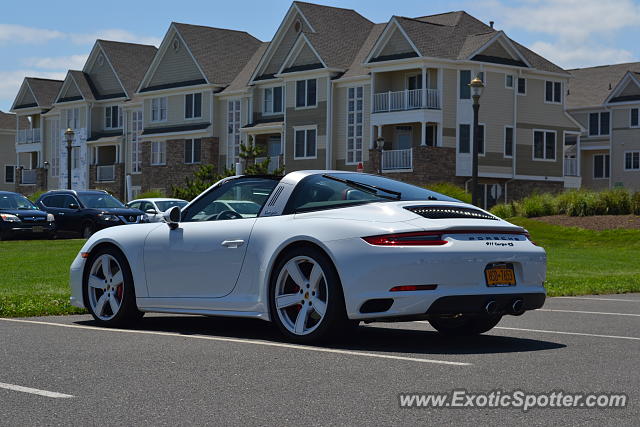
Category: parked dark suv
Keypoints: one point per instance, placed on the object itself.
(86, 212)
(20, 217)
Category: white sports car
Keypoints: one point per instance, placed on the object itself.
(326, 250)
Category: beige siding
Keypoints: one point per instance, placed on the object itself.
(7, 156)
(632, 89)
(533, 109)
(582, 118)
(71, 91)
(496, 114)
(175, 66)
(621, 119)
(525, 165)
(104, 79)
(396, 44)
(497, 50)
(26, 98)
(175, 111)
(449, 107)
(306, 57)
(285, 45)
(586, 170)
(97, 119)
(623, 141)
(339, 121)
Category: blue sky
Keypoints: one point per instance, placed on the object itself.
(45, 38)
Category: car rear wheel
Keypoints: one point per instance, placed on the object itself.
(305, 297)
(109, 292)
(462, 325)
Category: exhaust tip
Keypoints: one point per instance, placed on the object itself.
(491, 307)
(517, 307)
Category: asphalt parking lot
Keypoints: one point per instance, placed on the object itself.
(195, 370)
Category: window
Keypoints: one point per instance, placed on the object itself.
(522, 86)
(112, 117)
(599, 123)
(305, 143)
(136, 146)
(158, 152)
(306, 93)
(159, 109)
(272, 100)
(233, 132)
(464, 139)
(508, 141)
(9, 174)
(634, 118)
(354, 124)
(72, 118)
(55, 147)
(508, 81)
(544, 145)
(192, 105)
(601, 166)
(192, 151)
(553, 92)
(632, 160)
(465, 79)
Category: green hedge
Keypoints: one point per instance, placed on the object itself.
(573, 203)
(451, 190)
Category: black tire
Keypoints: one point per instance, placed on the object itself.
(128, 313)
(465, 325)
(87, 230)
(335, 319)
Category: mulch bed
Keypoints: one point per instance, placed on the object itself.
(597, 222)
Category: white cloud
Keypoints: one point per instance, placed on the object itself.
(10, 33)
(73, 62)
(10, 82)
(581, 56)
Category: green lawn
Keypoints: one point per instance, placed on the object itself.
(34, 274)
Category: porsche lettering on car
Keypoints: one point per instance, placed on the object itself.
(315, 252)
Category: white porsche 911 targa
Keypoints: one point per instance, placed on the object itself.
(326, 250)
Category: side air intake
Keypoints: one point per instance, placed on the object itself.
(446, 212)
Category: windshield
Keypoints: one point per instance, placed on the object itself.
(16, 202)
(99, 200)
(166, 204)
(245, 207)
(335, 190)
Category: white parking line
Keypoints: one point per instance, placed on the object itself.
(35, 391)
(568, 333)
(598, 299)
(588, 312)
(246, 341)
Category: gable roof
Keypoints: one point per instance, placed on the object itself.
(356, 68)
(81, 82)
(592, 86)
(241, 81)
(129, 61)
(220, 53)
(44, 91)
(8, 121)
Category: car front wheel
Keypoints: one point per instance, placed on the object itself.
(109, 292)
(464, 324)
(305, 297)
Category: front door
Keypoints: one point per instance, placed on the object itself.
(203, 256)
(404, 137)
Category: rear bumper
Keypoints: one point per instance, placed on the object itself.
(11, 229)
(475, 304)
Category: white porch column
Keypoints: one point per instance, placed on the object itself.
(373, 90)
(424, 87)
(423, 137)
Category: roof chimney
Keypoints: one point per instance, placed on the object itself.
(491, 24)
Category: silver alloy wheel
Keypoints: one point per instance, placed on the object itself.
(301, 295)
(105, 287)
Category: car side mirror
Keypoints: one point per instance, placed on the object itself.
(73, 206)
(172, 217)
(151, 211)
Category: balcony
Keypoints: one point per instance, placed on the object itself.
(274, 162)
(571, 167)
(29, 176)
(406, 100)
(397, 160)
(28, 136)
(105, 173)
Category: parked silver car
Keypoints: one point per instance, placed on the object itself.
(154, 207)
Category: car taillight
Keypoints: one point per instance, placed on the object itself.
(419, 238)
(528, 236)
(407, 288)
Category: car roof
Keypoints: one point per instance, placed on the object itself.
(11, 192)
(158, 199)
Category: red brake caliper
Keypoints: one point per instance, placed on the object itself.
(119, 292)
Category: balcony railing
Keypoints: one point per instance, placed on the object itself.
(28, 136)
(106, 173)
(394, 160)
(29, 176)
(570, 167)
(406, 100)
(274, 162)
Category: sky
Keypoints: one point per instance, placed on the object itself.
(43, 38)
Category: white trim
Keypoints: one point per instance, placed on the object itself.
(355, 126)
(272, 87)
(504, 141)
(384, 37)
(296, 49)
(553, 92)
(509, 47)
(160, 119)
(629, 76)
(204, 132)
(120, 117)
(305, 128)
(624, 160)
(163, 145)
(193, 104)
(544, 142)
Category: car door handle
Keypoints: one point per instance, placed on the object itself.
(233, 243)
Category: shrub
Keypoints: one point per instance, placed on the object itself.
(538, 205)
(150, 195)
(635, 203)
(35, 196)
(504, 210)
(451, 190)
(614, 202)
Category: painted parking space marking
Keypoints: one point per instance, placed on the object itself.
(37, 391)
(247, 341)
(588, 312)
(568, 333)
(598, 299)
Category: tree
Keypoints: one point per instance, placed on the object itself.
(249, 153)
(202, 179)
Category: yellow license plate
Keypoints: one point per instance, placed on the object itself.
(37, 229)
(502, 275)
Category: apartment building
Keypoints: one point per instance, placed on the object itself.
(8, 132)
(605, 100)
(323, 92)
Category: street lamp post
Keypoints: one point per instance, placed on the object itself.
(69, 134)
(476, 86)
(380, 148)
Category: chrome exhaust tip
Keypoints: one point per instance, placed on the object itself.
(517, 307)
(491, 307)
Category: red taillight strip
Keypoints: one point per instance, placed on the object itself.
(407, 288)
(429, 238)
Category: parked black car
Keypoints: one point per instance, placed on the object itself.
(86, 212)
(20, 217)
